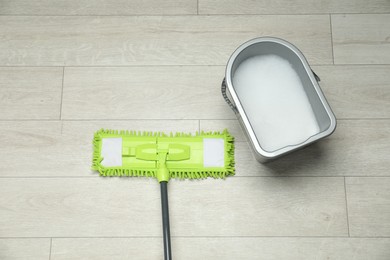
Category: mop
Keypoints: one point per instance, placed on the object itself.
(148, 154)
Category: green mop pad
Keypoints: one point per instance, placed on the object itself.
(130, 153)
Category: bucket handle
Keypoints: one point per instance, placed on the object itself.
(316, 76)
(230, 103)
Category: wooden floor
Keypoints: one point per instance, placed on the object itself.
(71, 67)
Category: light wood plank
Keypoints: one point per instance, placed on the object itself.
(144, 93)
(97, 7)
(168, 92)
(84, 207)
(31, 148)
(32, 249)
(152, 40)
(369, 206)
(223, 248)
(357, 91)
(35, 149)
(110, 248)
(233, 126)
(30, 93)
(291, 7)
(51, 207)
(361, 39)
(356, 148)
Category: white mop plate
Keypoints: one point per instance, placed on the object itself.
(111, 152)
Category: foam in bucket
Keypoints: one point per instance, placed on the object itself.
(274, 101)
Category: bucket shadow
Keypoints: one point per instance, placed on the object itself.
(304, 162)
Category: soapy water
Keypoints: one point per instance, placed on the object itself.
(272, 95)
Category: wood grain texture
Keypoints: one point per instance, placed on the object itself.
(194, 92)
(289, 7)
(144, 93)
(217, 248)
(36, 149)
(31, 249)
(368, 206)
(359, 91)
(152, 40)
(31, 148)
(356, 148)
(232, 125)
(97, 7)
(30, 93)
(85, 207)
(361, 39)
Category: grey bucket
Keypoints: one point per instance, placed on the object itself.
(324, 116)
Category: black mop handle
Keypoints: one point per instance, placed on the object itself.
(165, 219)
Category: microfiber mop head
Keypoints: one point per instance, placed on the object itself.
(131, 153)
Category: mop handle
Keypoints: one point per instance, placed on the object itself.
(165, 219)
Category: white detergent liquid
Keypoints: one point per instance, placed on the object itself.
(274, 101)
